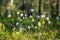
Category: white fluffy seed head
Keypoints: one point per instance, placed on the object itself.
(38, 16)
(39, 24)
(18, 13)
(21, 28)
(47, 18)
(17, 33)
(49, 22)
(35, 27)
(28, 27)
(32, 10)
(9, 16)
(17, 23)
(21, 15)
(43, 16)
(25, 14)
(13, 29)
(30, 16)
(33, 20)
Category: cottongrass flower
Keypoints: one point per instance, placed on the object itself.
(9, 16)
(36, 27)
(21, 28)
(25, 15)
(32, 10)
(21, 15)
(57, 18)
(39, 24)
(14, 28)
(43, 16)
(17, 23)
(18, 13)
(47, 18)
(49, 22)
(30, 16)
(33, 20)
(38, 16)
(32, 25)
(28, 27)
(17, 33)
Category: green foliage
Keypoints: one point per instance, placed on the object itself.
(18, 24)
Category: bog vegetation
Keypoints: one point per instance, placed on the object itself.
(29, 20)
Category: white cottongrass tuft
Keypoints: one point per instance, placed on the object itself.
(28, 27)
(43, 16)
(13, 29)
(38, 16)
(17, 23)
(18, 13)
(39, 24)
(17, 33)
(25, 15)
(30, 16)
(32, 10)
(21, 28)
(33, 20)
(49, 22)
(36, 27)
(47, 18)
(21, 15)
(9, 16)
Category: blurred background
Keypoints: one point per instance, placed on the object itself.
(29, 19)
